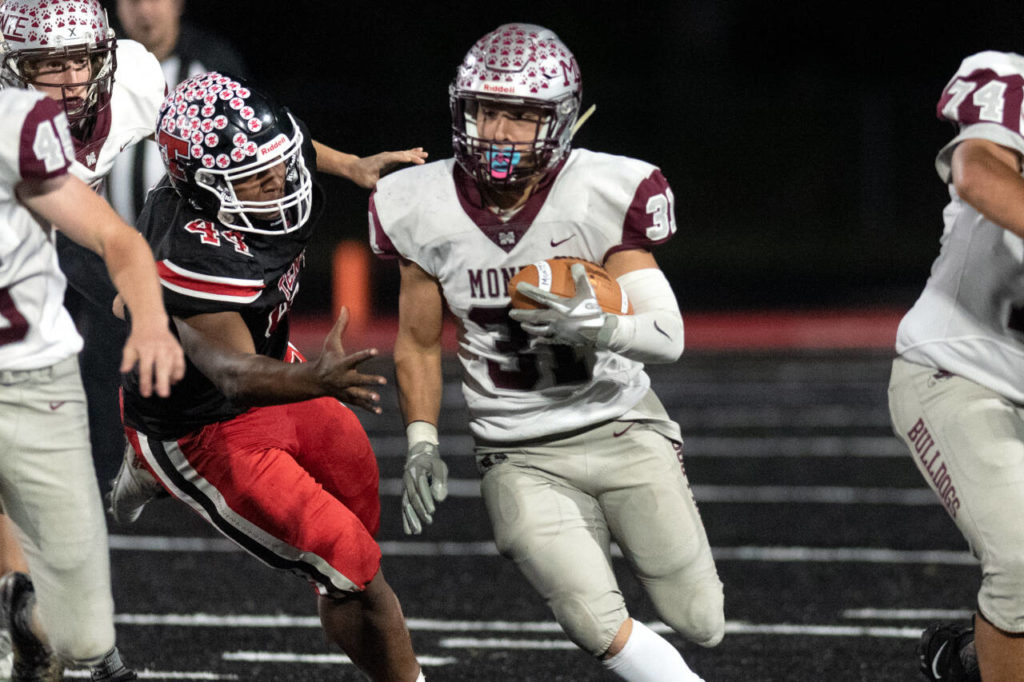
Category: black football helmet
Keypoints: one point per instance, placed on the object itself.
(518, 65)
(215, 130)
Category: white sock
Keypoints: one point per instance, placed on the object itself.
(648, 657)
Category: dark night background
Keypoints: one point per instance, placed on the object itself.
(799, 138)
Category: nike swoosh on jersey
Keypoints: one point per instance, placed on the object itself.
(619, 433)
(55, 404)
(561, 241)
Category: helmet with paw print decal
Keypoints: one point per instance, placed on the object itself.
(216, 131)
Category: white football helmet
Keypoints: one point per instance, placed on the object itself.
(516, 64)
(63, 29)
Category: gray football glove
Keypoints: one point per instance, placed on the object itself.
(576, 321)
(426, 480)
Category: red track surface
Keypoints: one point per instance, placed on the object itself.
(753, 330)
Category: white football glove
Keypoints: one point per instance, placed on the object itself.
(426, 480)
(576, 321)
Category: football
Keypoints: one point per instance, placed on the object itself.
(555, 275)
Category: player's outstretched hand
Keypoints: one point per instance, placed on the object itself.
(337, 371)
(425, 480)
(153, 350)
(368, 170)
(576, 321)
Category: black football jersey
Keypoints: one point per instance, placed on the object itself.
(209, 267)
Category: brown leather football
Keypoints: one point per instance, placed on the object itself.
(555, 275)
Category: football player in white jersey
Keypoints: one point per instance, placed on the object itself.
(956, 395)
(47, 482)
(574, 448)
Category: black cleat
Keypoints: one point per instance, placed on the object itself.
(945, 653)
(33, 660)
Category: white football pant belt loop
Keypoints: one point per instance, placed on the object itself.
(648, 657)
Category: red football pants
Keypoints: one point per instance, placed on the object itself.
(294, 485)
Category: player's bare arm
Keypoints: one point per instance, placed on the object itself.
(418, 345)
(364, 171)
(220, 345)
(987, 176)
(87, 219)
(621, 262)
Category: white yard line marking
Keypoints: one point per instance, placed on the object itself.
(289, 657)
(502, 643)
(162, 675)
(209, 620)
(738, 628)
(162, 543)
(909, 614)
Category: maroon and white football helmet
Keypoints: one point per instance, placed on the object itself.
(62, 29)
(519, 65)
(214, 130)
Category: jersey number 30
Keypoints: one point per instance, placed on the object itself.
(524, 373)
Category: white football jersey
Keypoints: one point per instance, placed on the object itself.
(35, 144)
(969, 319)
(595, 205)
(135, 101)
(120, 182)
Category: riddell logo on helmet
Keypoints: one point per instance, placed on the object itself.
(499, 88)
(273, 145)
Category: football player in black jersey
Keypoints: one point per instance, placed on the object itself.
(260, 446)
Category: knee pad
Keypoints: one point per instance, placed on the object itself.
(1001, 597)
(696, 612)
(590, 626)
(706, 615)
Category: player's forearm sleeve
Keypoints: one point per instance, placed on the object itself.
(654, 333)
